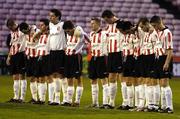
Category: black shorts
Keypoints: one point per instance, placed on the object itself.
(128, 66)
(31, 65)
(138, 66)
(43, 66)
(73, 66)
(57, 58)
(17, 63)
(159, 73)
(148, 63)
(115, 62)
(97, 68)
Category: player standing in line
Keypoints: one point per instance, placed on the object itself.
(76, 39)
(57, 54)
(125, 28)
(97, 68)
(16, 60)
(31, 58)
(43, 62)
(163, 70)
(114, 56)
(148, 40)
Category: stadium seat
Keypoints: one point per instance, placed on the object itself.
(81, 11)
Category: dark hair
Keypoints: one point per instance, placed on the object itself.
(23, 26)
(120, 24)
(124, 25)
(56, 12)
(96, 20)
(68, 25)
(10, 22)
(107, 13)
(45, 21)
(155, 19)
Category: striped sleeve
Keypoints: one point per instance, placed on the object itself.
(169, 42)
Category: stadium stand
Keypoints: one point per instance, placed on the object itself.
(81, 11)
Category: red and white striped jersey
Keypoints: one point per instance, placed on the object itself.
(57, 36)
(30, 48)
(114, 42)
(137, 47)
(164, 42)
(99, 43)
(17, 42)
(43, 47)
(148, 41)
(75, 44)
(127, 44)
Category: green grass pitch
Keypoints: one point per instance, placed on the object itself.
(30, 111)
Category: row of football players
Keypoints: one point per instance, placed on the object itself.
(138, 55)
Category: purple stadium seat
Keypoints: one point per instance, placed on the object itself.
(86, 8)
(60, 2)
(31, 18)
(79, 3)
(89, 3)
(28, 7)
(4, 11)
(20, 17)
(50, 2)
(67, 8)
(30, 2)
(23, 12)
(76, 8)
(116, 9)
(42, 2)
(69, 3)
(83, 13)
(74, 13)
(43, 12)
(96, 9)
(47, 7)
(125, 9)
(34, 12)
(21, 1)
(9, 6)
(15, 11)
(37, 7)
(2, 1)
(11, 1)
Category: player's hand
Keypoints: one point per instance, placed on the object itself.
(165, 67)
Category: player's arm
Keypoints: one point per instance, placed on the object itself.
(8, 59)
(169, 51)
